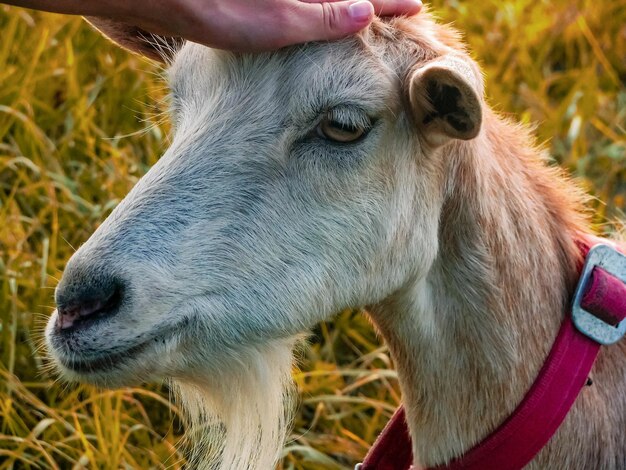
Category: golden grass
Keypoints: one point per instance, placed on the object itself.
(80, 123)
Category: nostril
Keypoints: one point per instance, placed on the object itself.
(88, 304)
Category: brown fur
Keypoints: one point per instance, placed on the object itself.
(508, 261)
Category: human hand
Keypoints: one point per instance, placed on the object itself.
(254, 25)
(238, 25)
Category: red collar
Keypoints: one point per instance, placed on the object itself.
(598, 307)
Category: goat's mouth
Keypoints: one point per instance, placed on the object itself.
(105, 362)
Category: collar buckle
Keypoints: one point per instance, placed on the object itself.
(612, 263)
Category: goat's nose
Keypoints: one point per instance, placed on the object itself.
(88, 302)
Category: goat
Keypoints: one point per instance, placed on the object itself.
(367, 172)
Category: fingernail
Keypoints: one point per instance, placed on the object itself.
(361, 11)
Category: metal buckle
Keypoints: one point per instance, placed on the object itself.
(613, 262)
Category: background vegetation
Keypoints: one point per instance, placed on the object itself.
(80, 123)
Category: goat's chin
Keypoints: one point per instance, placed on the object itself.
(239, 418)
(238, 404)
(101, 380)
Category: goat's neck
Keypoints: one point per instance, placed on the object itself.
(470, 337)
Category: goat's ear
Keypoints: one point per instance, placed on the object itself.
(137, 40)
(446, 97)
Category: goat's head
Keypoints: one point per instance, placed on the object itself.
(298, 183)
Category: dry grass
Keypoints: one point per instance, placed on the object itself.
(76, 134)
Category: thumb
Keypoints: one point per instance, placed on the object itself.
(332, 19)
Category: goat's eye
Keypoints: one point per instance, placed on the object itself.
(340, 132)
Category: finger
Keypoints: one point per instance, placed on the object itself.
(387, 7)
(318, 21)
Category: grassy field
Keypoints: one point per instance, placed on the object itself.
(80, 122)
